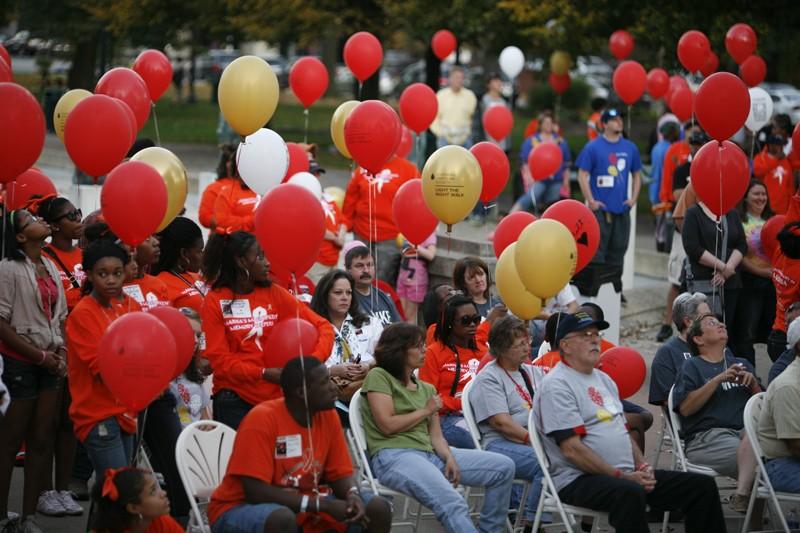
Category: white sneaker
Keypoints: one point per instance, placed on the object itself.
(29, 525)
(50, 504)
(71, 507)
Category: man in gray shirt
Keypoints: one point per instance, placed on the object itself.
(594, 462)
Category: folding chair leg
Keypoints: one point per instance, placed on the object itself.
(665, 523)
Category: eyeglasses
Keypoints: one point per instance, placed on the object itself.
(73, 216)
(470, 319)
(524, 342)
(586, 335)
(711, 320)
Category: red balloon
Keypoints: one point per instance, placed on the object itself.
(626, 367)
(22, 134)
(182, 333)
(693, 50)
(711, 66)
(290, 226)
(443, 43)
(494, 167)
(508, 230)
(681, 102)
(5, 55)
(740, 42)
(128, 86)
(657, 83)
(620, 44)
(582, 223)
(769, 235)
(372, 133)
(137, 187)
(289, 338)
(560, 83)
(629, 80)
(97, 134)
(156, 70)
(6, 75)
(545, 160)
(298, 161)
(722, 104)
(676, 82)
(308, 79)
(410, 214)
(406, 144)
(30, 183)
(363, 54)
(753, 70)
(720, 161)
(131, 118)
(136, 357)
(418, 106)
(498, 122)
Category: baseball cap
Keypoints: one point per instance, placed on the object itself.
(608, 114)
(576, 322)
(793, 333)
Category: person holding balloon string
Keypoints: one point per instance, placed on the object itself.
(239, 312)
(226, 177)
(235, 206)
(412, 280)
(178, 265)
(33, 307)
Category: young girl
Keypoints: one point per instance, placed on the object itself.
(129, 500)
(147, 290)
(190, 394)
(32, 309)
(102, 424)
(181, 247)
(412, 280)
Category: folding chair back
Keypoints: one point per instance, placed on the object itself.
(469, 416)
(357, 429)
(677, 443)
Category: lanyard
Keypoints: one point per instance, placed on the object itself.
(525, 395)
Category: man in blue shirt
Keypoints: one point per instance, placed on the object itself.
(604, 167)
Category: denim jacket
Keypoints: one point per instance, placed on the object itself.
(21, 303)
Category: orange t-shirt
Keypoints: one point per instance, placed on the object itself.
(91, 399)
(677, 154)
(205, 211)
(237, 328)
(439, 370)
(328, 250)
(184, 290)
(74, 273)
(235, 208)
(148, 291)
(593, 126)
(777, 176)
(272, 447)
(382, 188)
(786, 273)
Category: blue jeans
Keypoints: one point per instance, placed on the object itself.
(784, 474)
(542, 193)
(420, 475)
(108, 447)
(527, 469)
(455, 432)
(230, 408)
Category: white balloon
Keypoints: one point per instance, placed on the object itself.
(760, 109)
(511, 61)
(262, 160)
(309, 182)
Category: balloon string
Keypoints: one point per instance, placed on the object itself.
(360, 87)
(305, 126)
(6, 211)
(314, 471)
(716, 238)
(140, 436)
(629, 121)
(558, 106)
(155, 124)
(373, 251)
(752, 145)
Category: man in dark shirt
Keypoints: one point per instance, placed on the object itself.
(373, 301)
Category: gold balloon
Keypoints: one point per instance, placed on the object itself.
(336, 194)
(174, 173)
(65, 104)
(545, 257)
(560, 62)
(248, 94)
(451, 183)
(514, 294)
(337, 126)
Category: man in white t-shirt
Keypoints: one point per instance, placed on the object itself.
(453, 124)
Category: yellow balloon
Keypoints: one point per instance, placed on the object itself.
(248, 94)
(545, 257)
(65, 104)
(514, 294)
(451, 183)
(336, 194)
(174, 173)
(560, 62)
(337, 126)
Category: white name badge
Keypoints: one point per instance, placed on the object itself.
(235, 308)
(605, 181)
(288, 446)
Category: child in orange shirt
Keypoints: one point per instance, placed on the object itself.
(147, 290)
(66, 226)
(226, 176)
(104, 426)
(238, 315)
(178, 265)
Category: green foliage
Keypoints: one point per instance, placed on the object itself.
(576, 98)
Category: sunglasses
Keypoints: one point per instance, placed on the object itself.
(73, 216)
(470, 319)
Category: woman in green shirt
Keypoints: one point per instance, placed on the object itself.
(408, 452)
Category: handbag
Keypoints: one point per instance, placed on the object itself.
(716, 295)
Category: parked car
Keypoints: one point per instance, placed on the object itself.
(18, 44)
(210, 66)
(280, 66)
(785, 99)
(593, 66)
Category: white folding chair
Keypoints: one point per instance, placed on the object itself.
(202, 453)
(475, 433)
(762, 487)
(665, 439)
(549, 500)
(677, 444)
